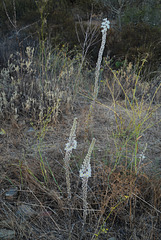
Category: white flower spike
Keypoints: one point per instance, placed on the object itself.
(105, 25)
(71, 144)
(85, 173)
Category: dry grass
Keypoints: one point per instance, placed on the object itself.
(137, 216)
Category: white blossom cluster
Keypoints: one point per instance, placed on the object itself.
(85, 171)
(71, 145)
(105, 25)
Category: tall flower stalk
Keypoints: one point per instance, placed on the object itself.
(72, 144)
(105, 25)
(85, 173)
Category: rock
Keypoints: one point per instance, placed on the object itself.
(11, 194)
(7, 234)
(25, 211)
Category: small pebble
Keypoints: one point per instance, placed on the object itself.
(11, 194)
(25, 211)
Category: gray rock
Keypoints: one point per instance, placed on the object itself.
(11, 194)
(25, 211)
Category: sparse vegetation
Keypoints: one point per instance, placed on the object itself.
(80, 145)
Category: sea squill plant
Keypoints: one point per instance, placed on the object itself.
(105, 25)
(85, 173)
(72, 144)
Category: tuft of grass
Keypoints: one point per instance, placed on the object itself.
(26, 91)
(133, 115)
